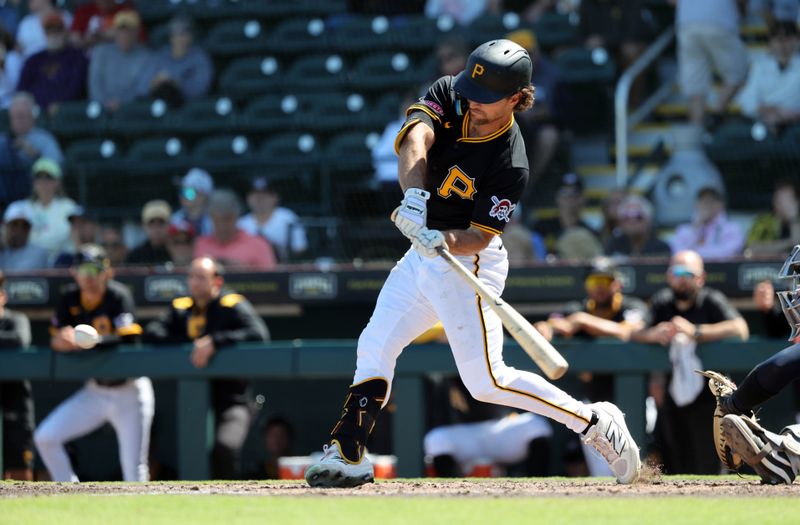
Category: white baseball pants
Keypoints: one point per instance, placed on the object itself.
(418, 292)
(128, 408)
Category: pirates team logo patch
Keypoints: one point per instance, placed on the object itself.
(502, 209)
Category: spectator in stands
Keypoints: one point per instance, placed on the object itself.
(770, 309)
(180, 243)
(539, 124)
(683, 315)
(94, 21)
(384, 158)
(636, 227)
(126, 403)
(181, 70)
(16, 400)
(31, 31)
(708, 40)
(20, 147)
(777, 232)
(278, 440)
(229, 244)
(118, 71)
(113, 243)
(610, 210)
(58, 73)
(211, 318)
(83, 229)
(772, 91)
(277, 224)
(464, 12)
(711, 233)
(522, 244)
(19, 255)
(50, 208)
(621, 27)
(196, 186)
(10, 67)
(155, 221)
(570, 201)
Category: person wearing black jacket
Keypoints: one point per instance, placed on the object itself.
(16, 398)
(212, 318)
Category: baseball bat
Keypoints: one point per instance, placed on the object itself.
(535, 345)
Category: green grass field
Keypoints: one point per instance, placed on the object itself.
(326, 507)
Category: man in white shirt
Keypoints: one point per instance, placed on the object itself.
(772, 92)
(280, 226)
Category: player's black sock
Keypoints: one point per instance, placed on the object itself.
(750, 394)
(592, 422)
(446, 466)
(359, 415)
(537, 464)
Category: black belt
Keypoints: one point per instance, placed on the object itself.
(110, 382)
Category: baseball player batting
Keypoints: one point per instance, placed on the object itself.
(774, 457)
(462, 169)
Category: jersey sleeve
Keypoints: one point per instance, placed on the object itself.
(61, 316)
(496, 203)
(429, 109)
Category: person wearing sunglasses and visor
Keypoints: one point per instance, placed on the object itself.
(126, 403)
(637, 237)
(684, 314)
(196, 186)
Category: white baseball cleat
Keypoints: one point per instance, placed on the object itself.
(335, 471)
(768, 453)
(611, 438)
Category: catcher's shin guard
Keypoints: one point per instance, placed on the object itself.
(359, 414)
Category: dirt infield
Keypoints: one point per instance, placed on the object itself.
(492, 488)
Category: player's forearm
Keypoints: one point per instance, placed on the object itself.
(413, 163)
(466, 242)
(732, 328)
(599, 327)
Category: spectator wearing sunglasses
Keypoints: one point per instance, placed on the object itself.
(635, 214)
(711, 233)
(155, 221)
(196, 186)
(684, 314)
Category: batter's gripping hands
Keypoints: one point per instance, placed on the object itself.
(426, 241)
(410, 217)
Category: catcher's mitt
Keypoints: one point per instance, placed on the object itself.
(722, 387)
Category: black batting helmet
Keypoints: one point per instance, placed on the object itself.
(496, 69)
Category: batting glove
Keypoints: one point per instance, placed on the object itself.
(411, 215)
(426, 241)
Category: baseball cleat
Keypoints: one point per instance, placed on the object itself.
(759, 448)
(611, 438)
(334, 471)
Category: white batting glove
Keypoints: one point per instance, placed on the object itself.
(412, 213)
(426, 241)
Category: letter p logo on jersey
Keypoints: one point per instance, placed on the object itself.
(477, 70)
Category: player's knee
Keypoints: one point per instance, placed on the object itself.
(437, 442)
(45, 437)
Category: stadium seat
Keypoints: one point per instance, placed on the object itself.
(417, 33)
(388, 71)
(138, 118)
(236, 37)
(290, 149)
(269, 114)
(90, 153)
(152, 151)
(490, 27)
(316, 73)
(328, 112)
(248, 77)
(355, 34)
(584, 66)
(78, 119)
(224, 153)
(296, 36)
(295, 8)
(556, 29)
(205, 116)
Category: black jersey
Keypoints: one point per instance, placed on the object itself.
(112, 317)
(472, 181)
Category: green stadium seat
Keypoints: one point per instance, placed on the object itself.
(236, 37)
(316, 73)
(205, 116)
(150, 151)
(583, 66)
(490, 27)
(351, 154)
(86, 154)
(139, 118)
(296, 36)
(249, 77)
(556, 29)
(225, 153)
(154, 11)
(269, 114)
(355, 34)
(294, 8)
(328, 112)
(388, 71)
(290, 149)
(78, 119)
(416, 33)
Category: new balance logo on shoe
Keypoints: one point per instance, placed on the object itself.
(616, 438)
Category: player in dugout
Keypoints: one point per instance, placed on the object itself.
(127, 404)
(462, 168)
(211, 318)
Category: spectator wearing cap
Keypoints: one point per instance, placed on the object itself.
(155, 221)
(195, 188)
(772, 92)
(10, 67)
(21, 146)
(112, 242)
(539, 124)
(277, 224)
(180, 243)
(94, 21)
(83, 229)
(229, 244)
(57, 73)
(570, 201)
(181, 69)
(50, 208)
(18, 255)
(31, 32)
(711, 233)
(636, 230)
(118, 71)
